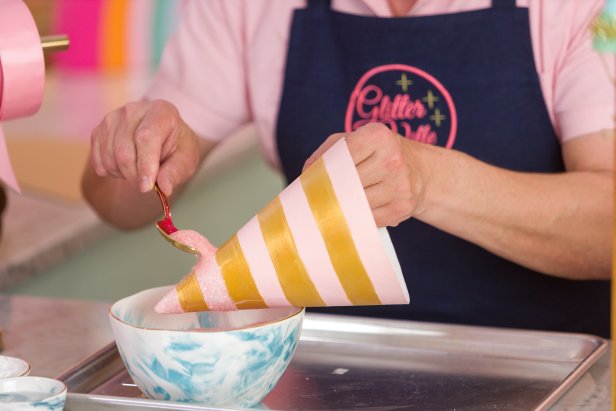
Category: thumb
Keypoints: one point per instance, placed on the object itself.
(176, 170)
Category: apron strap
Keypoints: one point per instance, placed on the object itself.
(504, 4)
(319, 4)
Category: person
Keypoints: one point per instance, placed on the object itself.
(482, 133)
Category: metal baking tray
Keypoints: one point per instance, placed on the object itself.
(364, 363)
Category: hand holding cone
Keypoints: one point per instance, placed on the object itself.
(316, 244)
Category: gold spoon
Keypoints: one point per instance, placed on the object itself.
(165, 226)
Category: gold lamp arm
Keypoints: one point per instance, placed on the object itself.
(53, 43)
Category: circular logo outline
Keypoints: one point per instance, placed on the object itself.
(403, 67)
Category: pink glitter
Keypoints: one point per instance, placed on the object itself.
(212, 285)
(207, 272)
(195, 240)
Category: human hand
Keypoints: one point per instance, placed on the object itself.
(145, 142)
(388, 170)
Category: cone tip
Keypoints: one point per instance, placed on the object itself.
(169, 304)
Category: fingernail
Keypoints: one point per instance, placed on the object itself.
(145, 184)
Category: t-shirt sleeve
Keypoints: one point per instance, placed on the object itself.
(202, 68)
(584, 92)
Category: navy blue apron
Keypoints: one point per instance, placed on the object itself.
(465, 81)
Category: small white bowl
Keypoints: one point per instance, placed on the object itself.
(13, 367)
(32, 394)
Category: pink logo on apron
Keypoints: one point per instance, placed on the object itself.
(408, 100)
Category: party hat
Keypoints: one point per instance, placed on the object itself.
(316, 244)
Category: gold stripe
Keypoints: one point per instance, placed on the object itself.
(293, 277)
(189, 294)
(236, 273)
(337, 235)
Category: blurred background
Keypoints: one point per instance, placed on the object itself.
(52, 243)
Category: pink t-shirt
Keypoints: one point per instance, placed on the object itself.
(224, 67)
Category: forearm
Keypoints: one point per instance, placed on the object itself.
(557, 224)
(119, 203)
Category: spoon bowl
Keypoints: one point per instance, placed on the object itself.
(166, 227)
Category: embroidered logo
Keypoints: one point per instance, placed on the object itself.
(408, 100)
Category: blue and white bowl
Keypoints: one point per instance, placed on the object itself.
(32, 394)
(231, 359)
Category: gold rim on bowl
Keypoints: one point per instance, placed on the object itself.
(293, 314)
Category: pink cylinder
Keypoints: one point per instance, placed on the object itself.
(22, 73)
(21, 61)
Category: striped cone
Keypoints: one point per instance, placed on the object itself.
(316, 244)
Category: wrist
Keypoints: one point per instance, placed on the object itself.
(433, 176)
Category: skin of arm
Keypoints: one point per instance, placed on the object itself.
(559, 224)
(132, 147)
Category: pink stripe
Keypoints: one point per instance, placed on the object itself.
(169, 304)
(212, 285)
(310, 245)
(81, 21)
(351, 197)
(140, 16)
(261, 267)
(78, 94)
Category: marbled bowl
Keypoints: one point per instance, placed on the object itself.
(32, 394)
(231, 359)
